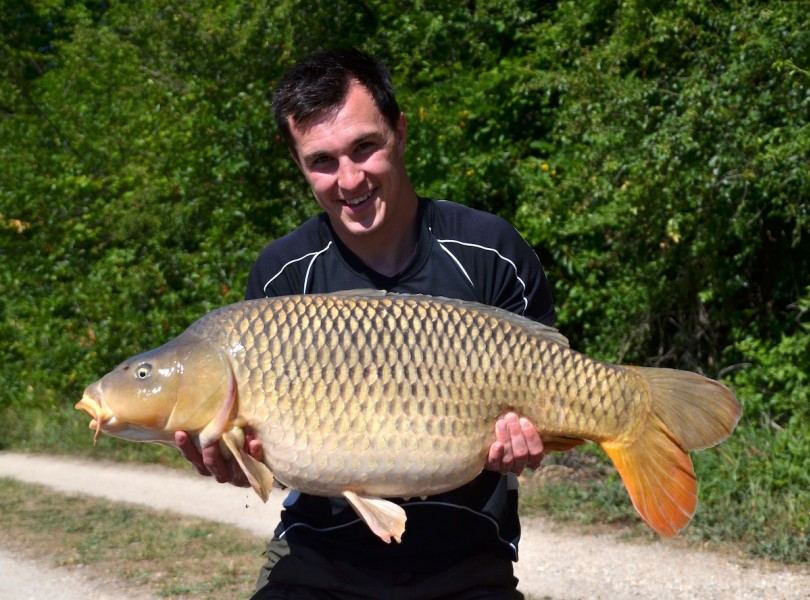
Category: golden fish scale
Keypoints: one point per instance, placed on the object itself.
(398, 396)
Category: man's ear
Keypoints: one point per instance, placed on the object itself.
(402, 133)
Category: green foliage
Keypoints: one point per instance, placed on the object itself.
(680, 204)
(764, 472)
(655, 155)
(127, 185)
(755, 491)
(776, 381)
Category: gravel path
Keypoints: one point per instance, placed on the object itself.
(554, 562)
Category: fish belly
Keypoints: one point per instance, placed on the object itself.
(410, 463)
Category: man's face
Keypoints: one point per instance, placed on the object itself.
(352, 160)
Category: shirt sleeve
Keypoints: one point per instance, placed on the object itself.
(281, 267)
(501, 265)
(529, 284)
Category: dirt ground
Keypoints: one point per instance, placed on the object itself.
(554, 561)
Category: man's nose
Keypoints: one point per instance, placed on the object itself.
(350, 175)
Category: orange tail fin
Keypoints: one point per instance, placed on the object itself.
(688, 412)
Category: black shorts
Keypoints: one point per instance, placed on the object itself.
(308, 575)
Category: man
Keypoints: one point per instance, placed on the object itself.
(339, 116)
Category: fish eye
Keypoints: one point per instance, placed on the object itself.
(144, 371)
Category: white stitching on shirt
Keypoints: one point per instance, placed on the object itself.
(501, 256)
(314, 256)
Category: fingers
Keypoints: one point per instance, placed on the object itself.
(189, 451)
(254, 447)
(217, 465)
(210, 462)
(534, 443)
(516, 451)
(517, 445)
(495, 457)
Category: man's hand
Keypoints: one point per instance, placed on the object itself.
(517, 445)
(210, 462)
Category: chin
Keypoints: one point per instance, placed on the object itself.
(364, 226)
(362, 231)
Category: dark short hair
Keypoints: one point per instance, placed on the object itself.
(321, 81)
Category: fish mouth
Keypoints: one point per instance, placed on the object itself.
(99, 413)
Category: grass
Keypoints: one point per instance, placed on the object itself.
(582, 488)
(746, 513)
(172, 556)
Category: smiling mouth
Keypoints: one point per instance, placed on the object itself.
(352, 202)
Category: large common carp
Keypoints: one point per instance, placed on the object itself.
(369, 395)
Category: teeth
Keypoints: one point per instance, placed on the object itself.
(356, 201)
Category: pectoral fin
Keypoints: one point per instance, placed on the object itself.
(257, 473)
(384, 518)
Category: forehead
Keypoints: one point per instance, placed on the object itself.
(357, 117)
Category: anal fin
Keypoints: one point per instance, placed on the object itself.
(384, 518)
